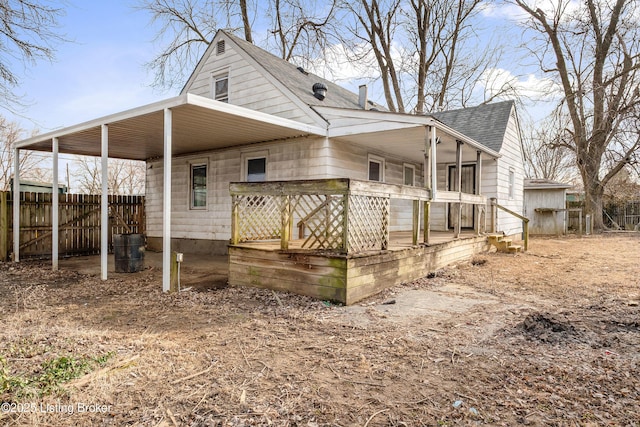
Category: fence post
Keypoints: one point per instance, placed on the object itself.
(426, 221)
(345, 221)
(235, 220)
(285, 227)
(4, 226)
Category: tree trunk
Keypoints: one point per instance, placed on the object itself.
(245, 21)
(593, 205)
(593, 190)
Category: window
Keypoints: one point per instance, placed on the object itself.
(376, 168)
(221, 87)
(512, 183)
(198, 186)
(409, 174)
(257, 169)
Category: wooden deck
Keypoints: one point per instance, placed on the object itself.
(346, 278)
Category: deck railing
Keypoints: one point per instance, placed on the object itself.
(341, 215)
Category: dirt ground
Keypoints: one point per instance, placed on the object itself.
(548, 337)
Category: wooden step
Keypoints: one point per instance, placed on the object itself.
(503, 244)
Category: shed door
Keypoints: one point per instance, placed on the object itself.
(468, 186)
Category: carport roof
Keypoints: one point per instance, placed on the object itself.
(198, 124)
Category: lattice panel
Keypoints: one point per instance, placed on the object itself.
(323, 219)
(261, 218)
(368, 223)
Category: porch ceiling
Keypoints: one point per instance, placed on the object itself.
(198, 124)
(409, 143)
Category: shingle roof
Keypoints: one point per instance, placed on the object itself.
(485, 123)
(300, 83)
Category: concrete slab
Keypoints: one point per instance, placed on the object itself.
(198, 271)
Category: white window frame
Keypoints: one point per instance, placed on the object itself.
(372, 158)
(198, 164)
(406, 166)
(512, 183)
(217, 76)
(246, 157)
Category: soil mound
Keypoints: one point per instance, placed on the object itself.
(547, 328)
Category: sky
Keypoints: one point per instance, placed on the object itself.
(100, 71)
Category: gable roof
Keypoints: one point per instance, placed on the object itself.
(289, 75)
(486, 123)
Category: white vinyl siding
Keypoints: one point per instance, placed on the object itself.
(510, 164)
(291, 159)
(312, 158)
(255, 91)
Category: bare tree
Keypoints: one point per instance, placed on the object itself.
(186, 27)
(375, 24)
(28, 30)
(30, 167)
(126, 177)
(426, 51)
(300, 27)
(593, 52)
(545, 155)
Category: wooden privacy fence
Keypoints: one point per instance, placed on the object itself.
(78, 219)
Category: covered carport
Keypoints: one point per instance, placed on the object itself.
(184, 124)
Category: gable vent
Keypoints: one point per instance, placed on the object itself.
(220, 47)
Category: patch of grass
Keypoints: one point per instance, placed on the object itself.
(50, 377)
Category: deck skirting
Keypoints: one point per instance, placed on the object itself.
(343, 278)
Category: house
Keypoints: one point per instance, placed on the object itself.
(38, 187)
(255, 147)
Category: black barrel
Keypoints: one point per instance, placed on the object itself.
(128, 252)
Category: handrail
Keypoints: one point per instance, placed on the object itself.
(525, 221)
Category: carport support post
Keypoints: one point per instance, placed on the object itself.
(16, 205)
(104, 203)
(166, 204)
(54, 207)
